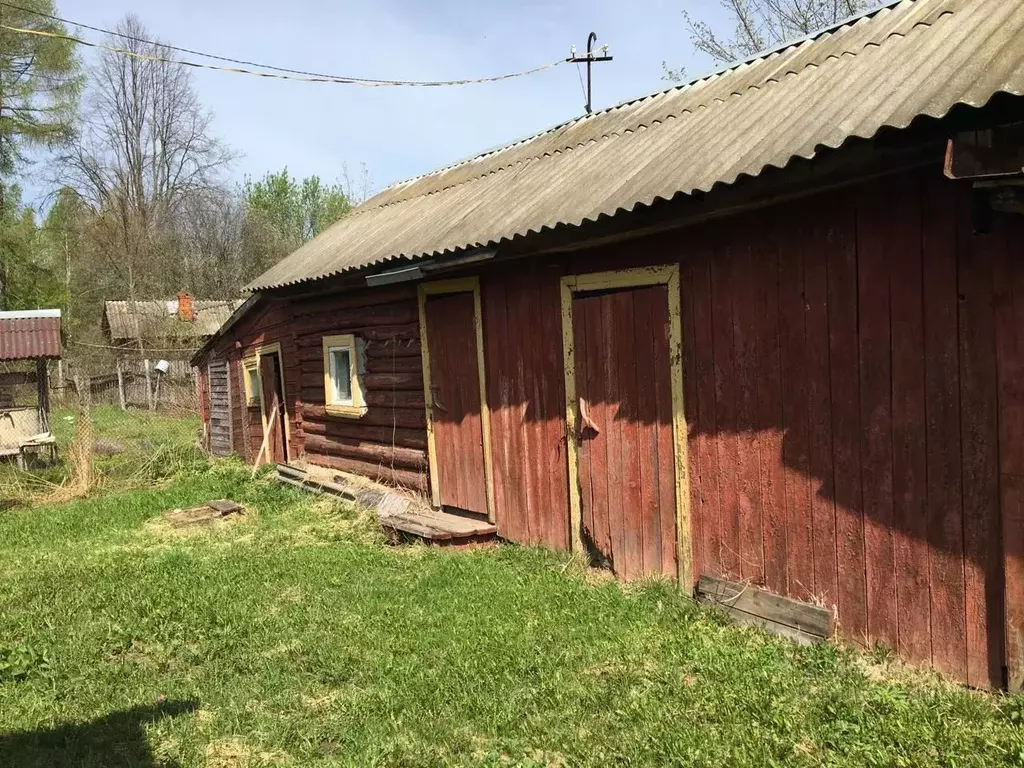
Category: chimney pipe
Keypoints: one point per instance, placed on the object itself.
(186, 311)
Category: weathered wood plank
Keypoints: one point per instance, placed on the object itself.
(983, 578)
(738, 598)
(416, 481)
(403, 458)
(846, 426)
(874, 219)
(728, 442)
(745, 333)
(908, 432)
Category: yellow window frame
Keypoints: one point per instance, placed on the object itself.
(357, 407)
(251, 364)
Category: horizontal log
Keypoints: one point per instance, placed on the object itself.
(394, 365)
(389, 348)
(312, 350)
(374, 417)
(402, 437)
(389, 381)
(332, 301)
(401, 478)
(311, 360)
(382, 333)
(403, 458)
(385, 314)
(372, 381)
(395, 399)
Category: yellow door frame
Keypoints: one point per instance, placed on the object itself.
(443, 288)
(260, 352)
(667, 275)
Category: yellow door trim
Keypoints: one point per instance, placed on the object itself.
(667, 275)
(448, 287)
(270, 349)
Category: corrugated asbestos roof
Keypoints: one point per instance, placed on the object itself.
(30, 335)
(912, 58)
(159, 319)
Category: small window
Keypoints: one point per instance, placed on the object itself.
(342, 368)
(252, 382)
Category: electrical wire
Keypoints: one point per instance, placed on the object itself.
(583, 88)
(273, 72)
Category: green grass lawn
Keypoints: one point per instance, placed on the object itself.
(293, 637)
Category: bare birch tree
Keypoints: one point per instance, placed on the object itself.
(757, 25)
(146, 147)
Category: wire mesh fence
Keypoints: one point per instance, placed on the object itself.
(97, 422)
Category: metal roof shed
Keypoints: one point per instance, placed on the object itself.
(27, 336)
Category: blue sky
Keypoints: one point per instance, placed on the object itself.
(403, 132)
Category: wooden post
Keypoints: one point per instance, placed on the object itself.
(60, 379)
(149, 385)
(120, 386)
(43, 392)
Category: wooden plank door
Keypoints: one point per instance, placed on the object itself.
(455, 401)
(273, 408)
(219, 386)
(626, 450)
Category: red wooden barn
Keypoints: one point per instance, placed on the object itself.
(767, 326)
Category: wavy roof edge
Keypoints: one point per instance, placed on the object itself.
(722, 70)
(884, 68)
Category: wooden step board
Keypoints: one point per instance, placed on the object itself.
(403, 516)
(746, 604)
(435, 526)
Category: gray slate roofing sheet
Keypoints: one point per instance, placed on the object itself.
(909, 59)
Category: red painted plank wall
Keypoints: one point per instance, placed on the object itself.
(854, 387)
(526, 397)
(871, 479)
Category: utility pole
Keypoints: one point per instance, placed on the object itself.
(589, 60)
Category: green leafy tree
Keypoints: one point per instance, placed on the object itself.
(31, 283)
(39, 87)
(294, 211)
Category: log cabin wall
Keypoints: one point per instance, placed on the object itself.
(388, 443)
(267, 324)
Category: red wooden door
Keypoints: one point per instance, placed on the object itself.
(273, 408)
(626, 450)
(455, 391)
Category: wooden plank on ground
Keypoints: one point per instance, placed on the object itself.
(745, 601)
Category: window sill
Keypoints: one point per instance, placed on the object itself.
(347, 411)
